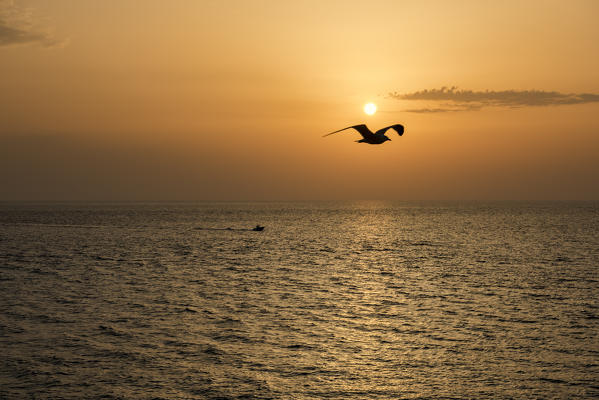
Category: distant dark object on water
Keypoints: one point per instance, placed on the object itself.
(377, 137)
(257, 228)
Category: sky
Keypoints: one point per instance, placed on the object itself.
(136, 100)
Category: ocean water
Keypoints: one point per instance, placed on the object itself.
(361, 300)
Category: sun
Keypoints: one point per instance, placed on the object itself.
(369, 108)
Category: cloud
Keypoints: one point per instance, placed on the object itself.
(453, 99)
(18, 27)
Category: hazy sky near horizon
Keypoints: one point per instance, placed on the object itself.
(228, 100)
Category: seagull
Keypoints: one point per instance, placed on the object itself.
(372, 138)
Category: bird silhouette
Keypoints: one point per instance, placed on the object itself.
(377, 137)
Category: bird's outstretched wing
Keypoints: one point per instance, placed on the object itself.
(397, 127)
(362, 129)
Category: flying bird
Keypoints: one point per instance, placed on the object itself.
(377, 137)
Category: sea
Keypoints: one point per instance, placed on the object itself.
(332, 300)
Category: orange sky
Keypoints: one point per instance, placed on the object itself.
(228, 100)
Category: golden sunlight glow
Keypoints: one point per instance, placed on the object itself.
(370, 108)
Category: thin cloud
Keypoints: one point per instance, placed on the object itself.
(432, 110)
(454, 99)
(18, 27)
(445, 108)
